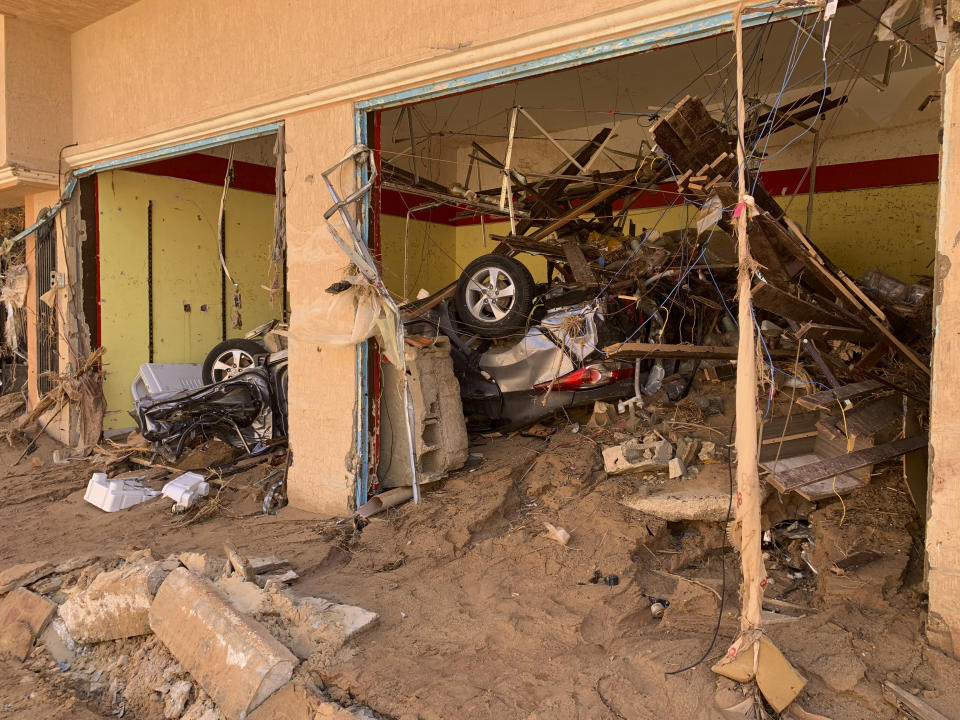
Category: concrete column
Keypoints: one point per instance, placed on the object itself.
(943, 528)
(322, 378)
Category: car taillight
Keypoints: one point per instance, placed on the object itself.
(590, 376)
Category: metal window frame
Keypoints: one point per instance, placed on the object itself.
(674, 34)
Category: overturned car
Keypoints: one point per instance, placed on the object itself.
(245, 404)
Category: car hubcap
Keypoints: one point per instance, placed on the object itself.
(230, 363)
(491, 294)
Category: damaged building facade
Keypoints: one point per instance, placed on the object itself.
(190, 148)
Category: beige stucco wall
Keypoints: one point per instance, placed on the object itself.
(164, 63)
(322, 378)
(167, 71)
(36, 96)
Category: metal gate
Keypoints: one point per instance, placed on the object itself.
(48, 363)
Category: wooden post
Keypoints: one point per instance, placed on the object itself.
(748, 479)
(943, 486)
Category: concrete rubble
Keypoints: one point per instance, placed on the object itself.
(634, 455)
(23, 574)
(214, 645)
(233, 657)
(116, 605)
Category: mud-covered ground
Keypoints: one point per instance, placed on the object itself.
(484, 616)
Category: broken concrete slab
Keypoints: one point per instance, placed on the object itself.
(315, 625)
(16, 640)
(687, 449)
(48, 585)
(247, 597)
(239, 562)
(676, 468)
(711, 454)
(75, 563)
(706, 497)
(637, 456)
(116, 605)
(277, 578)
(208, 566)
(233, 657)
(23, 574)
(264, 565)
(175, 699)
(23, 605)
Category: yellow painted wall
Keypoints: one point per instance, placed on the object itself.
(186, 269)
(431, 256)
(890, 229)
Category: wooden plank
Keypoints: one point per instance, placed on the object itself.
(703, 352)
(720, 373)
(916, 707)
(827, 399)
(578, 263)
(874, 417)
(811, 473)
(782, 304)
(849, 290)
(766, 253)
(820, 333)
(872, 357)
(842, 485)
(584, 207)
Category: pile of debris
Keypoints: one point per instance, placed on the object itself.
(190, 636)
(635, 312)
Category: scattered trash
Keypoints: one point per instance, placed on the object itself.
(185, 490)
(118, 493)
(658, 606)
(611, 580)
(557, 534)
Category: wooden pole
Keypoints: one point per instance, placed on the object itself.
(748, 498)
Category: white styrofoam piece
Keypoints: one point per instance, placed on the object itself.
(185, 489)
(158, 380)
(117, 494)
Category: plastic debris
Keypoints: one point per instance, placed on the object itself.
(116, 494)
(185, 489)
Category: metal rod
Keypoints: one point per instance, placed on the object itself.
(811, 190)
(150, 278)
(413, 145)
(549, 137)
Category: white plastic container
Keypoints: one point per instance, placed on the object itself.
(161, 380)
(117, 494)
(185, 489)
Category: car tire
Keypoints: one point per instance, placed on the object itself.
(495, 296)
(229, 358)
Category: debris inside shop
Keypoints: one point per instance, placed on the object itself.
(552, 478)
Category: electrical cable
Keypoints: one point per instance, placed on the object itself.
(723, 560)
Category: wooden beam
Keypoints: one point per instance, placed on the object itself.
(819, 333)
(660, 350)
(828, 399)
(915, 706)
(831, 467)
(783, 304)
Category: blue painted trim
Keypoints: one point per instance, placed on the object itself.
(181, 149)
(363, 349)
(661, 37)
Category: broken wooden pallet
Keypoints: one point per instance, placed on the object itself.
(832, 467)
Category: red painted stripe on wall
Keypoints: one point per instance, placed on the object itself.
(211, 170)
(893, 172)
